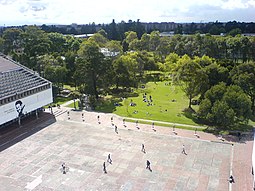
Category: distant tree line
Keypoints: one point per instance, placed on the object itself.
(218, 71)
(116, 31)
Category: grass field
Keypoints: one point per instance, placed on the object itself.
(162, 109)
(61, 100)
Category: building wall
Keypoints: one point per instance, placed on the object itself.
(9, 111)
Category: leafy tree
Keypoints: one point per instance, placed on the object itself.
(122, 75)
(72, 43)
(170, 62)
(12, 40)
(114, 46)
(235, 32)
(148, 60)
(70, 66)
(36, 43)
(154, 40)
(245, 48)
(53, 69)
(1, 44)
(58, 43)
(225, 105)
(190, 76)
(216, 74)
(102, 32)
(129, 37)
(91, 68)
(221, 114)
(244, 76)
(126, 68)
(99, 39)
(145, 42)
(75, 95)
(233, 45)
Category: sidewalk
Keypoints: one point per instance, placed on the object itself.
(241, 161)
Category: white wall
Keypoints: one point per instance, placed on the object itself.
(8, 111)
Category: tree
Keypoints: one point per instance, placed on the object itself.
(190, 76)
(126, 68)
(75, 95)
(154, 40)
(70, 66)
(121, 75)
(99, 39)
(91, 68)
(170, 62)
(243, 75)
(225, 105)
(129, 37)
(1, 44)
(36, 43)
(114, 46)
(58, 43)
(235, 32)
(53, 69)
(216, 74)
(245, 48)
(113, 33)
(164, 46)
(145, 42)
(12, 40)
(102, 32)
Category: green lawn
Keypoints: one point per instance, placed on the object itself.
(71, 105)
(163, 108)
(69, 87)
(61, 100)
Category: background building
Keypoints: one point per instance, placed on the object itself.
(22, 91)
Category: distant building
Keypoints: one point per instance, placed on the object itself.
(83, 35)
(106, 52)
(168, 34)
(248, 34)
(22, 91)
(164, 26)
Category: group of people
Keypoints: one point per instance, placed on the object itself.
(147, 100)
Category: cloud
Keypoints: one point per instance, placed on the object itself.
(101, 11)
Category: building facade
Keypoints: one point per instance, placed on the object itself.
(22, 91)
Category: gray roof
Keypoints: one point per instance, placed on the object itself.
(6, 65)
(14, 78)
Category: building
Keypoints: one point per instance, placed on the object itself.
(22, 91)
(107, 53)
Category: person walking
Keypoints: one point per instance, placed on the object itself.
(104, 168)
(116, 129)
(98, 119)
(183, 150)
(152, 126)
(143, 149)
(64, 168)
(136, 123)
(124, 123)
(109, 159)
(148, 165)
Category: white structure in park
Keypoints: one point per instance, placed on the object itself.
(22, 91)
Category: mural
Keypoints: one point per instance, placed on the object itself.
(19, 108)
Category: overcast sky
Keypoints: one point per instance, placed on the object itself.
(20, 12)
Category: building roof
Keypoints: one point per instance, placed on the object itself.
(15, 78)
(6, 65)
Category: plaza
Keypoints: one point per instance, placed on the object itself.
(34, 161)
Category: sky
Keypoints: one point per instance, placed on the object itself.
(21, 12)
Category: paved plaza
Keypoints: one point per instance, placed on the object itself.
(83, 144)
